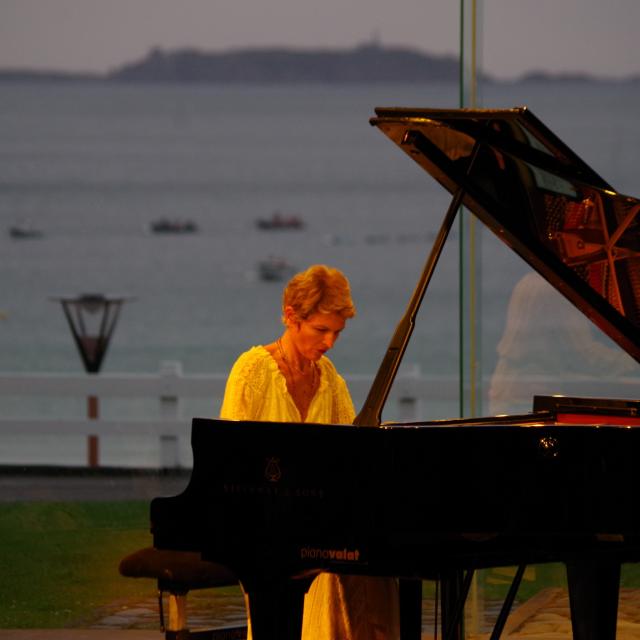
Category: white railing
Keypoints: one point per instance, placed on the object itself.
(158, 440)
(157, 434)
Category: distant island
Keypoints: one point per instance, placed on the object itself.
(364, 64)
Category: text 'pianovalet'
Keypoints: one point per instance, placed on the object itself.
(278, 503)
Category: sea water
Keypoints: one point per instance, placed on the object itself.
(92, 166)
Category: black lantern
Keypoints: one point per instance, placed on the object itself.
(92, 317)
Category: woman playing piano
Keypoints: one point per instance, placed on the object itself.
(292, 380)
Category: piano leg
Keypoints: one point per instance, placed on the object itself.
(455, 588)
(275, 608)
(501, 621)
(410, 609)
(593, 596)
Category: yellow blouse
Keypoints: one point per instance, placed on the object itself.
(257, 390)
(336, 607)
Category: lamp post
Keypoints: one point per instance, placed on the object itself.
(92, 318)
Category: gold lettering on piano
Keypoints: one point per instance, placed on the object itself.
(339, 555)
(233, 488)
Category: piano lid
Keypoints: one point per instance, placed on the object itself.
(540, 198)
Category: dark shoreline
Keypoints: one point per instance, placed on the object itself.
(365, 64)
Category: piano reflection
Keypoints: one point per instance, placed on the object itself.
(560, 484)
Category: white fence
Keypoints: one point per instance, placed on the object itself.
(157, 434)
(158, 440)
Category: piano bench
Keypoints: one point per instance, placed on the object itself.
(177, 573)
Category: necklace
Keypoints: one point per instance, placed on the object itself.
(302, 388)
(291, 366)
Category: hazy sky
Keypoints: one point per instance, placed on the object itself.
(517, 36)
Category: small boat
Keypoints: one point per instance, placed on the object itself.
(24, 231)
(275, 269)
(164, 225)
(279, 221)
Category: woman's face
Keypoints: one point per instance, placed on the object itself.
(317, 334)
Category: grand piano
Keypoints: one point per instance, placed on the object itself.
(279, 503)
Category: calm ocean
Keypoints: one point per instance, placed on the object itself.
(93, 166)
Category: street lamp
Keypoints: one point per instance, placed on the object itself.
(92, 318)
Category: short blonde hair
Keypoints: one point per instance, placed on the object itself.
(319, 289)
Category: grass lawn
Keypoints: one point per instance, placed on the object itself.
(59, 561)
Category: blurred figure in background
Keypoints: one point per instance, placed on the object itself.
(547, 343)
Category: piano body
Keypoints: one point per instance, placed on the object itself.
(278, 503)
